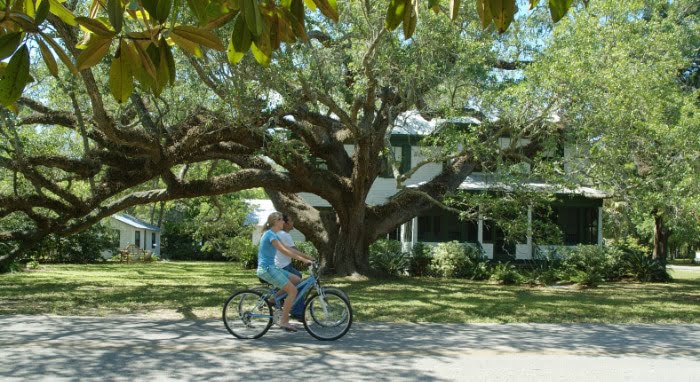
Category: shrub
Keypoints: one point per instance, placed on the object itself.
(544, 269)
(419, 264)
(386, 257)
(635, 261)
(587, 265)
(454, 259)
(643, 268)
(506, 273)
(83, 247)
(308, 248)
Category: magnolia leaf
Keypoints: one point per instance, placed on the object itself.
(298, 19)
(151, 7)
(329, 8)
(310, 4)
(188, 46)
(95, 26)
(199, 36)
(9, 43)
(454, 9)
(240, 36)
(121, 81)
(62, 12)
(61, 54)
(253, 17)
(558, 8)
(199, 9)
(262, 49)
(167, 55)
(15, 77)
(220, 21)
(148, 65)
(233, 56)
(502, 12)
(115, 11)
(483, 8)
(24, 21)
(395, 14)
(533, 4)
(42, 11)
(49, 60)
(410, 19)
(97, 48)
(163, 10)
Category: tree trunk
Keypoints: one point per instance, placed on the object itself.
(351, 254)
(661, 235)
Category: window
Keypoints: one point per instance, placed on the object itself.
(153, 240)
(402, 155)
(116, 238)
(440, 226)
(137, 239)
(579, 225)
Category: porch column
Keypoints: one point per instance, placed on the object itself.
(600, 226)
(480, 229)
(414, 231)
(529, 231)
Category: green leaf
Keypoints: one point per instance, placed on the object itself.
(199, 9)
(151, 7)
(115, 11)
(199, 36)
(15, 77)
(146, 62)
(434, 5)
(49, 60)
(9, 43)
(95, 26)
(121, 80)
(329, 8)
(262, 49)
(298, 19)
(503, 12)
(410, 19)
(62, 13)
(240, 36)
(42, 11)
(483, 8)
(558, 8)
(97, 48)
(233, 56)
(163, 10)
(167, 54)
(454, 9)
(395, 14)
(253, 17)
(533, 4)
(61, 54)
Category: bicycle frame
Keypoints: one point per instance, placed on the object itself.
(302, 290)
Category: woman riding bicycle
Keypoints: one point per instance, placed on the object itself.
(269, 244)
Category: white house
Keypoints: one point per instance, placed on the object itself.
(578, 212)
(129, 230)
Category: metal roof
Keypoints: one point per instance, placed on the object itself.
(481, 182)
(136, 223)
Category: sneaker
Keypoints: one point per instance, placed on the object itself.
(289, 328)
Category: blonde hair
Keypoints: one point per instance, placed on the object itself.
(271, 220)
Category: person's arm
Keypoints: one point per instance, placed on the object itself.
(293, 253)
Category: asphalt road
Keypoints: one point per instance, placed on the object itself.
(126, 349)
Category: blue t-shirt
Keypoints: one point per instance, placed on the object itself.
(266, 251)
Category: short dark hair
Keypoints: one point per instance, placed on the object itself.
(285, 217)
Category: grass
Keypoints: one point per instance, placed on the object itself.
(197, 290)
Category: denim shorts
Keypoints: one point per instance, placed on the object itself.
(275, 276)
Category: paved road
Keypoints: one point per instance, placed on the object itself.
(125, 349)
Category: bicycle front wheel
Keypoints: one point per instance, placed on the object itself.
(329, 317)
(247, 315)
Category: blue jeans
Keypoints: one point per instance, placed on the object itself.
(298, 308)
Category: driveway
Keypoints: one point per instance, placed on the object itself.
(126, 349)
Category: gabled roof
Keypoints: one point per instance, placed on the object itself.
(134, 222)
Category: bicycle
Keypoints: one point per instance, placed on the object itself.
(327, 316)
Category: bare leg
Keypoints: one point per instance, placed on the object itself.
(291, 295)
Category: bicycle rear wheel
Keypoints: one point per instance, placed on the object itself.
(247, 315)
(328, 318)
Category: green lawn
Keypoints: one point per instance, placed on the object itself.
(197, 290)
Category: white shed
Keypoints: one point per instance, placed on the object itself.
(132, 231)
